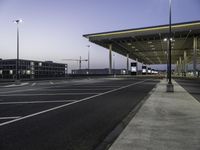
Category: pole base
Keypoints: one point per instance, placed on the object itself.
(170, 87)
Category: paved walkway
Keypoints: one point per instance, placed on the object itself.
(166, 121)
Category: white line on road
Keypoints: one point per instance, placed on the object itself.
(51, 82)
(39, 94)
(33, 84)
(68, 104)
(6, 118)
(37, 102)
(16, 85)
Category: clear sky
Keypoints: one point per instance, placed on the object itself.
(53, 29)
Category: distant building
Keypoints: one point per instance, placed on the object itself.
(29, 69)
(97, 71)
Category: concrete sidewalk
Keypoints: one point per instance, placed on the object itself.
(166, 121)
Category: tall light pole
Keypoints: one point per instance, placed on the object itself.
(17, 62)
(88, 58)
(114, 64)
(170, 87)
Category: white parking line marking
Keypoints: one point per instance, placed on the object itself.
(68, 104)
(37, 102)
(16, 85)
(6, 118)
(33, 84)
(39, 94)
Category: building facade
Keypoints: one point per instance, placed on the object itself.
(29, 69)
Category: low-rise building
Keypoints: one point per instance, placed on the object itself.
(30, 69)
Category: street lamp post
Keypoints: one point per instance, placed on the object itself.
(114, 65)
(170, 87)
(17, 62)
(88, 58)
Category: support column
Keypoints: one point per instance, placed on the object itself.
(180, 65)
(127, 63)
(110, 58)
(185, 63)
(194, 56)
(177, 68)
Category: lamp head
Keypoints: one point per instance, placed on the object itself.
(17, 21)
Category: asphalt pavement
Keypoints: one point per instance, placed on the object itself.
(66, 115)
(192, 86)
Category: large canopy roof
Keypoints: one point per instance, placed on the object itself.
(149, 45)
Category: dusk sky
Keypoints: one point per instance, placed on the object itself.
(53, 29)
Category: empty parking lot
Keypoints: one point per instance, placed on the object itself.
(74, 115)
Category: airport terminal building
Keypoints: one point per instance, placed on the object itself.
(149, 46)
(29, 69)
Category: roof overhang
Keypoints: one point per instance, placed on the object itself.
(147, 45)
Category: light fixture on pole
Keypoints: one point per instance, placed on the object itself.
(17, 62)
(170, 87)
